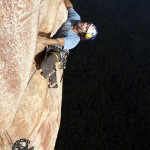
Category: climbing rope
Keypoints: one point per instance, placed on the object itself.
(21, 144)
(8, 139)
(31, 76)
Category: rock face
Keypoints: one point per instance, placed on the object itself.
(28, 110)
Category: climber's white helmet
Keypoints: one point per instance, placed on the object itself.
(91, 32)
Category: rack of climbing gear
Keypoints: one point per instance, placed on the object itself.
(60, 63)
(21, 144)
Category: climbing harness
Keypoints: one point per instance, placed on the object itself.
(60, 63)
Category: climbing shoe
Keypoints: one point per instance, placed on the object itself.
(55, 86)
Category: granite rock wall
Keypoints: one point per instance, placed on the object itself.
(28, 110)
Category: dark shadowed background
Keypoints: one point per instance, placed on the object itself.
(106, 92)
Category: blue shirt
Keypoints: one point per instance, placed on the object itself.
(71, 38)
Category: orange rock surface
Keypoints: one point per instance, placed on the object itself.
(28, 111)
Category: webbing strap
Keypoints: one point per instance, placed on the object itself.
(55, 55)
(58, 64)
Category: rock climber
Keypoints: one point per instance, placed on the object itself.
(66, 38)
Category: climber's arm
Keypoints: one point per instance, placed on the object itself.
(48, 41)
(68, 4)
